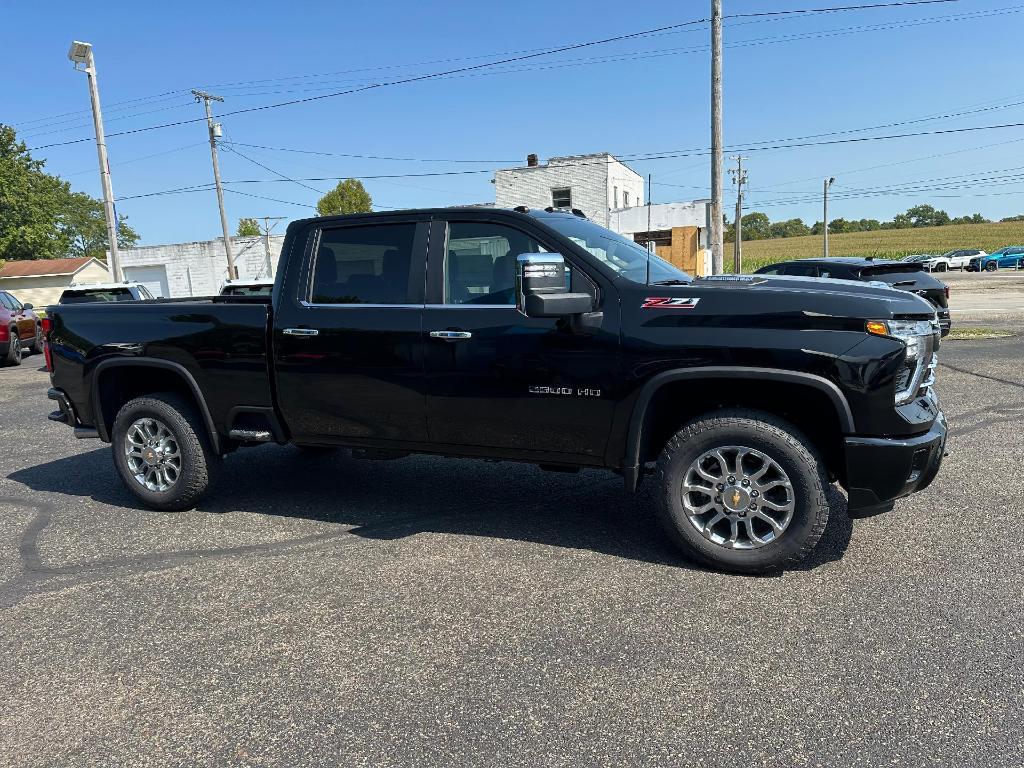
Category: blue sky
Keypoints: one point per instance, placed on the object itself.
(785, 77)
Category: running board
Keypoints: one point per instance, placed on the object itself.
(251, 435)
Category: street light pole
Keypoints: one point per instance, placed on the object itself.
(827, 183)
(81, 54)
(214, 129)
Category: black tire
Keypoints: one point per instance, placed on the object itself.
(37, 342)
(785, 445)
(13, 355)
(199, 463)
(991, 267)
(941, 267)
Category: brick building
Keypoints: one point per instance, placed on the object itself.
(595, 184)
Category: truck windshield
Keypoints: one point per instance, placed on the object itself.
(621, 254)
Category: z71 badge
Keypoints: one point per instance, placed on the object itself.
(668, 302)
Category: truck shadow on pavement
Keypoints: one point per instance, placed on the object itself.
(388, 500)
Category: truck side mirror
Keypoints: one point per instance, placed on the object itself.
(26, 306)
(541, 287)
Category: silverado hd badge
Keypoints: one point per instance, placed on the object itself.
(668, 302)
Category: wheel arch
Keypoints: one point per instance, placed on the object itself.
(644, 431)
(109, 393)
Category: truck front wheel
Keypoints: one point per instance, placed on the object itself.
(742, 491)
(162, 452)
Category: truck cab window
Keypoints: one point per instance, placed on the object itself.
(480, 262)
(363, 265)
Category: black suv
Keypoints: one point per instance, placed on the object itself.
(904, 275)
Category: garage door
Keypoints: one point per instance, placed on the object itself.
(154, 278)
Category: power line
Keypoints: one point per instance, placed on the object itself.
(370, 157)
(231, 149)
(475, 67)
(602, 162)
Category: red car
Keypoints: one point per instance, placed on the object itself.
(20, 329)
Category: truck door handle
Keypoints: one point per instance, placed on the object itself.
(301, 332)
(451, 335)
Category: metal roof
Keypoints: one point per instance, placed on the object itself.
(45, 267)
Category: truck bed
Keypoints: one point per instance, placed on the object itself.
(219, 344)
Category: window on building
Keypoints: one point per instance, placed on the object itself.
(364, 265)
(480, 263)
(561, 197)
(625, 198)
(615, 197)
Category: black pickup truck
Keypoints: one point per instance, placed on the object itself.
(532, 336)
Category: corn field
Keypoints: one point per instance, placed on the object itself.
(886, 243)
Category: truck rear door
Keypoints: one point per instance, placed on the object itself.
(347, 332)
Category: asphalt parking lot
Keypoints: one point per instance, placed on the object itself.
(988, 299)
(432, 612)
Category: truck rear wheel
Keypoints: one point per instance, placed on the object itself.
(162, 452)
(742, 491)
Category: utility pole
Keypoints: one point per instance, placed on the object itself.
(267, 227)
(81, 54)
(739, 178)
(649, 241)
(827, 183)
(215, 132)
(717, 237)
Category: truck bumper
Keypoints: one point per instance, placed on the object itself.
(945, 323)
(65, 414)
(880, 470)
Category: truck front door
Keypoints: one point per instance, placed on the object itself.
(495, 378)
(347, 333)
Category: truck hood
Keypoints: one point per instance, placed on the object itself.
(790, 301)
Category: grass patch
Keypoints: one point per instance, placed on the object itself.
(885, 243)
(959, 334)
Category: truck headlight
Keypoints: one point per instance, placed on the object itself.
(920, 339)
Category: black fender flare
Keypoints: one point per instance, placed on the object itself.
(150, 362)
(631, 460)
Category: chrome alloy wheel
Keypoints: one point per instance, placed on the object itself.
(738, 497)
(152, 454)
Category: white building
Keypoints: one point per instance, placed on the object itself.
(679, 231)
(595, 184)
(41, 281)
(199, 268)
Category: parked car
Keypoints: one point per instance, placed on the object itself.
(1010, 257)
(93, 292)
(905, 276)
(20, 329)
(956, 259)
(918, 257)
(247, 288)
(533, 336)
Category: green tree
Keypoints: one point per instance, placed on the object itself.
(975, 218)
(31, 203)
(84, 224)
(40, 217)
(790, 228)
(350, 196)
(756, 226)
(838, 226)
(1013, 218)
(248, 228)
(925, 216)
